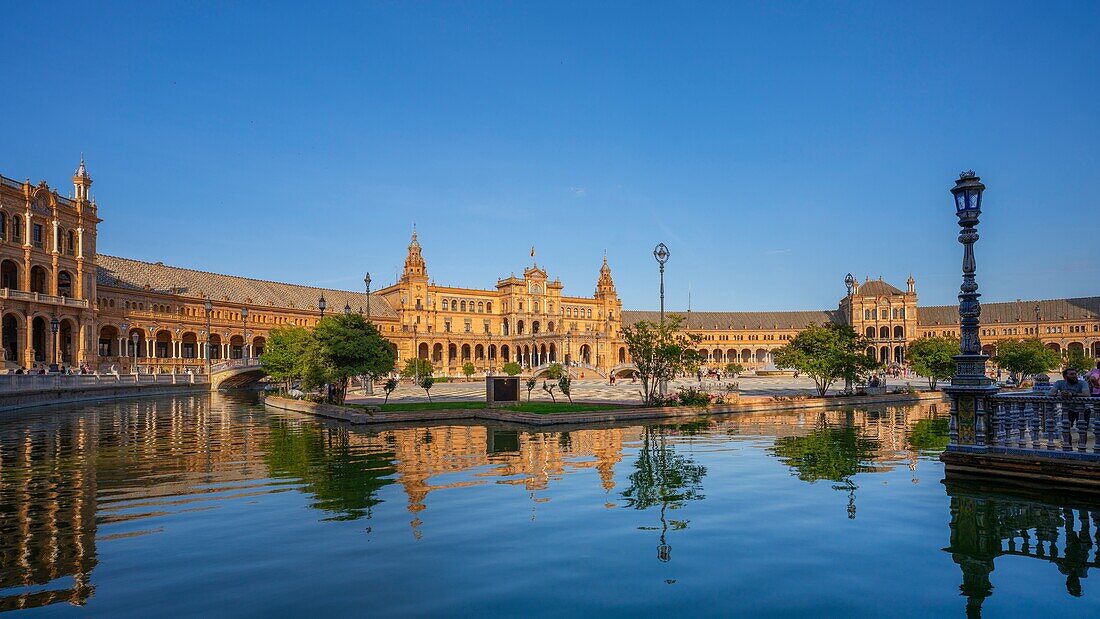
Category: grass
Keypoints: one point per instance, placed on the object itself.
(539, 408)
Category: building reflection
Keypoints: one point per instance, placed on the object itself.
(992, 521)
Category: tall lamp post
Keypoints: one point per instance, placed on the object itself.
(244, 334)
(416, 356)
(970, 388)
(321, 305)
(137, 354)
(1038, 313)
(368, 389)
(850, 284)
(55, 324)
(209, 307)
(489, 351)
(662, 254)
(366, 280)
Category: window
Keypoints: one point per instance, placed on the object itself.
(447, 326)
(489, 307)
(468, 326)
(16, 228)
(480, 307)
(3, 227)
(463, 305)
(37, 238)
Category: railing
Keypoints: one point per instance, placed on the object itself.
(14, 383)
(21, 295)
(1038, 425)
(234, 363)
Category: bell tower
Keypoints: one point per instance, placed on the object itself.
(81, 182)
(415, 269)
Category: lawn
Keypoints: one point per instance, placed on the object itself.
(539, 408)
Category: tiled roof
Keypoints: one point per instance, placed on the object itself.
(135, 275)
(740, 320)
(1014, 311)
(877, 288)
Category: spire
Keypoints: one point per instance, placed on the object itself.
(414, 242)
(81, 171)
(414, 261)
(605, 285)
(81, 181)
(911, 284)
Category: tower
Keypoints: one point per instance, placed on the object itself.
(415, 269)
(81, 182)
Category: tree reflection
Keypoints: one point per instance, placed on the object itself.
(343, 477)
(828, 453)
(662, 477)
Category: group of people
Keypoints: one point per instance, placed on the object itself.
(1073, 385)
(68, 370)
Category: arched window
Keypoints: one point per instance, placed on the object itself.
(480, 307)
(589, 313)
(870, 332)
(3, 226)
(64, 284)
(866, 314)
(463, 305)
(16, 228)
(884, 332)
(489, 307)
(899, 332)
(901, 312)
(535, 327)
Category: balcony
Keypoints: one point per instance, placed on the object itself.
(38, 297)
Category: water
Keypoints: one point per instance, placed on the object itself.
(193, 507)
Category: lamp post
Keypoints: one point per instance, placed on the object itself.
(321, 305)
(489, 351)
(368, 389)
(568, 341)
(55, 324)
(135, 337)
(416, 356)
(209, 307)
(1038, 313)
(244, 334)
(970, 387)
(662, 254)
(850, 284)
(598, 334)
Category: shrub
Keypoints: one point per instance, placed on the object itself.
(690, 396)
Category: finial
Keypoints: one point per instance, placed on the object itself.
(967, 174)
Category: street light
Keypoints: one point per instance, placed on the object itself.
(321, 304)
(209, 307)
(489, 351)
(970, 387)
(366, 280)
(369, 389)
(1038, 313)
(850, 283)
(416, 356)
(55, 324)
(347, 308)
(135, 337)
(662, 254)
(244, 333)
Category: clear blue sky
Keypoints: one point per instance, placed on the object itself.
(773, 147)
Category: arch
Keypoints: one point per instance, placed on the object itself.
(258, 344)
(9, 274)
(480, 307)
(731, 355)
(67, 333)
(703, 354)
(884, 332)
(452, 352)
(465, 352)
(884, 354)
(214, 346)
(746, 355)
(422, 351)
(622, 354)
(39, 279)
(489, 307)
(505, 353)
(989, 349)
(1055, 347)
(899, 333)
(1096, 350)
(39, 337)
(70, 243)
(553, 358)
(463, 305)
(1075, 347)
(761, 355)
(479, 352)
(492, 351)
(586, 354)
(236, 347)
(870, 333)
(16, 228)
(108, 341)
(504, 326)
(189, 345)
(871, 352)
(64, 284)
(11, 329)
(535, 327)
(899, 354)
(519, 327)
(550, 327)
(541, 354)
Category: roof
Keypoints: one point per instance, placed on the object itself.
(740, 320)
(1085, 308)
(115, 272)
(877, 288)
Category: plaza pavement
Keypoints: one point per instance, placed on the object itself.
(622, 392)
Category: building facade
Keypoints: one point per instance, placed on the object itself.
(63, 302)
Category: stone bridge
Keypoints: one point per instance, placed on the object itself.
(235, 373)
(623, 369)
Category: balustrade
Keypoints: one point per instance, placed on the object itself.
(1033, 425)
(14, 383)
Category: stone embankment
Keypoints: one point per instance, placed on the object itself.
(360, 416)
(19, 391)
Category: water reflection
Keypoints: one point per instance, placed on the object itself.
(990, 521)
(79, 485)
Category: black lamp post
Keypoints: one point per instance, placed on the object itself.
(135, 337)
(489, 351)
(970, 387)
(1038, 313)
(321, 304)
(662, 255)
(850, 283)
(244, 334)
(369, 388)
(366, 280)
(347, 308)
(55, 324)
(209, 307)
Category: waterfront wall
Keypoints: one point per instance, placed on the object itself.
(69, 394)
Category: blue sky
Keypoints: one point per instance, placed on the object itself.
(773, 147)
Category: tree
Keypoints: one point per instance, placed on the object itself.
(350, 346)
(1026, 357)
(416, 367)
(548, 387)
(512, 368)
(733, 369)
(826, 353)
(531, 382)
(284, 354)
(426, 384)
(389, 387)
(659, 351)
(554, 371)
(1077, 360)
(468, 369)
(933, 358)
(566, 385)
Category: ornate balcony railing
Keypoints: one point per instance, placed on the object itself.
(1033, 425)
(15, 383)
(38, 297)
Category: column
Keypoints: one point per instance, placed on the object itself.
(82, 350)
(122, 351)
(28, 352)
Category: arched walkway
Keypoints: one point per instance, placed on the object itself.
(12, 328)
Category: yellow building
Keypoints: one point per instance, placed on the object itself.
(119, 314)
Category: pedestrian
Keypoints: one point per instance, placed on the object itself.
(1071, 386)
(1093, 379)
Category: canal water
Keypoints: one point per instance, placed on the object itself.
(193, 506)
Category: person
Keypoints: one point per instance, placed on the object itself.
(1071, 386)
(1093, 379)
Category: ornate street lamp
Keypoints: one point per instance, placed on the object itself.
(244, 334)
(369, 389)
(366, 280)
(970, 387)
(416, 355)
(1038, 313)
(135, 337)
(347, 308)
(55, 324)
(321, 305)
(662, 254)
(209, 307)
(850, 283)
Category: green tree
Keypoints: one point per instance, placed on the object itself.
(548, 387)
(531, 383)
(933, 358)
(285, 354)
(350, 346)
(659, 351)
(426, 384)
(554, 371)
(389, 387)
(733, 369)
(826, 353)
(1077, 360)
(566, 385)
(416, 367)
(468, 369)
(1026, 357)
(512, 368)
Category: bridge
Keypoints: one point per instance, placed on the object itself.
(235, 373)
(575, 370)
